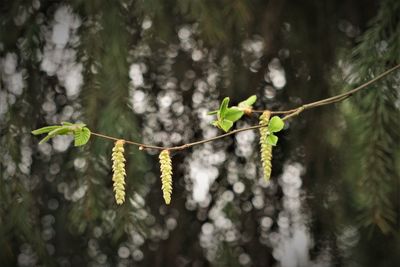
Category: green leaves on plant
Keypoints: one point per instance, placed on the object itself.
(61, 130)
(81, 136)
(233, 114)
(276, 124)
(223, 108)
(78, 130)
(227, 116)
(248, 103)
(223, 124)
(272, 139)
(212, 112)
(45, 129)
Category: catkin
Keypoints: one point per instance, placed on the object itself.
(166, 175)
(119, 173)
(266, 149)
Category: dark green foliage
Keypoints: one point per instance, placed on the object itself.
(377, 121)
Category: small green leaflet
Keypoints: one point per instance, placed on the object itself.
(272, 139)
(276, 124)
(45, 129)
(225, 125)
(60, 130)
(81, 136)
(227, 116)
(212, 112)
(78, 130)
(248, 103)
(233, 114)
(223, 108)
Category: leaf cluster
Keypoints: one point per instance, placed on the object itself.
(79, 130)
(275, 125)
(227, 116)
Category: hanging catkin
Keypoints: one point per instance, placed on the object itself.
(119, 173)
(166, 175)
(266, 149)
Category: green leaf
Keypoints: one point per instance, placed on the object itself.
(212, 112)
(77, 125)
(248, 102)
(47, 138)
(223, 108)
(45, 129)
(225, 125)
(66, 123)
(81, 136)
(275, 124)
(233, 114)
(272, 139)
(61, 130)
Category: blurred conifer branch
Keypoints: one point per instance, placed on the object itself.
(376, 129)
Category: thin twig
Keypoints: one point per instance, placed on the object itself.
(288, 114)
(276, 112)
(128, 142)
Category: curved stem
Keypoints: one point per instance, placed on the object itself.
(288, 114)
(140, 145)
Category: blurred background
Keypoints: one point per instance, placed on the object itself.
(150, 71)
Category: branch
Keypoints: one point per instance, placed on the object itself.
(288, 114)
